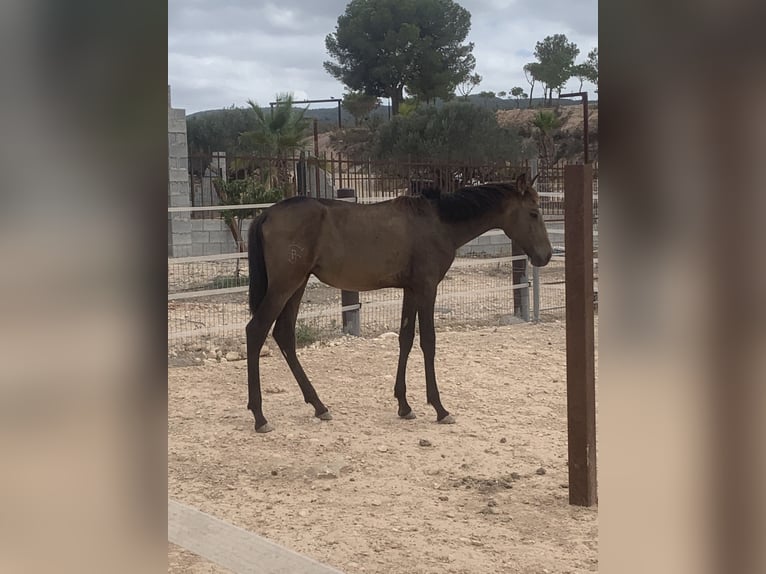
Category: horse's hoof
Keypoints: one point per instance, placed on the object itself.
(264, 428)
(448, 420)
(409, 416)
(325, 416)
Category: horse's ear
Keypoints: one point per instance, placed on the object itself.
(521, 183)
(534, 179)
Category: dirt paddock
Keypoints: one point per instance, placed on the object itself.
(370, 493)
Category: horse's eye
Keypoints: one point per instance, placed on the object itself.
(534, 214)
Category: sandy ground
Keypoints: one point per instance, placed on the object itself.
(370, 493)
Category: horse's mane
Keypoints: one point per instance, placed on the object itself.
(468, 202)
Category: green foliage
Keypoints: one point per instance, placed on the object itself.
(555, 61)
(531, 73)
(588, 70)
(360, 105)
(218, 130)
(518, 92)
(457, 131)
(590, 67)
(547, 124)
(275, 132)
(468, 84)
(381, 47)
(408, 106)
(546, 121)
(305, 334)
(247, 190)
(579, 71)
(226, 281)
(243, 192)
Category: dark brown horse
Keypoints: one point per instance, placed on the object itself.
(407, 242)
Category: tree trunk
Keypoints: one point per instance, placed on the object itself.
(236, 235)
(396, 99)
(531, 91)
(394, 106)
(230, 221)
(283, 178)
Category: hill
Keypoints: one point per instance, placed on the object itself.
(328, 116)
(569, 137)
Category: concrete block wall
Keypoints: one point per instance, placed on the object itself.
(212, 237)
(493, 243)
(180, 238)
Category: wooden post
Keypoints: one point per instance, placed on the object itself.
(581, 382)
(349, 300)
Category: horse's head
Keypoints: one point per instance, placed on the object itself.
(525, 225)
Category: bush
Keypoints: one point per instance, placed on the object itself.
(455, 132)
(305, 334)
(226, 281)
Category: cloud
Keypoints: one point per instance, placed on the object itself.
(223, 52)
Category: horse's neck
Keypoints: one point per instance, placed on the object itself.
(461, 232)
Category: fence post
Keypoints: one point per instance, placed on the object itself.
(525, 294)
(533, 172)
(520, 296)
(300, 174)
(581, 382)
(349, 300)
(536, 293)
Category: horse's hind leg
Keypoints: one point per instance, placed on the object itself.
(428, 345)
(284, 335)
(406, 337)
(256, 331)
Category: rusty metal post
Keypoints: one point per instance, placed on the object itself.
(586, 151)
(584, 96)
(581, 381)
(316, 157)
(349, 300)
(300, 174)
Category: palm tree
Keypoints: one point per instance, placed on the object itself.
(277, 134)
(547, 123)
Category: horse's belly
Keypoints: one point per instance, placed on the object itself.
(360, 275)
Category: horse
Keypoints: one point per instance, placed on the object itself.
(408, 242)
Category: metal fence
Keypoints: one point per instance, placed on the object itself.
(323, 175)
(207, 299)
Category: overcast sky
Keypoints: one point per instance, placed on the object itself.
(224, 52)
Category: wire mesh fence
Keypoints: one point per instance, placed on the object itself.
(207, 295)
(474, 292)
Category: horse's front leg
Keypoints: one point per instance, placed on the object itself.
(428, 345)
(406, 338)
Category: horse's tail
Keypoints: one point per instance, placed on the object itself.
(259, 280)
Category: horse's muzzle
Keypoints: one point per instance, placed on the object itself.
(538, 261)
